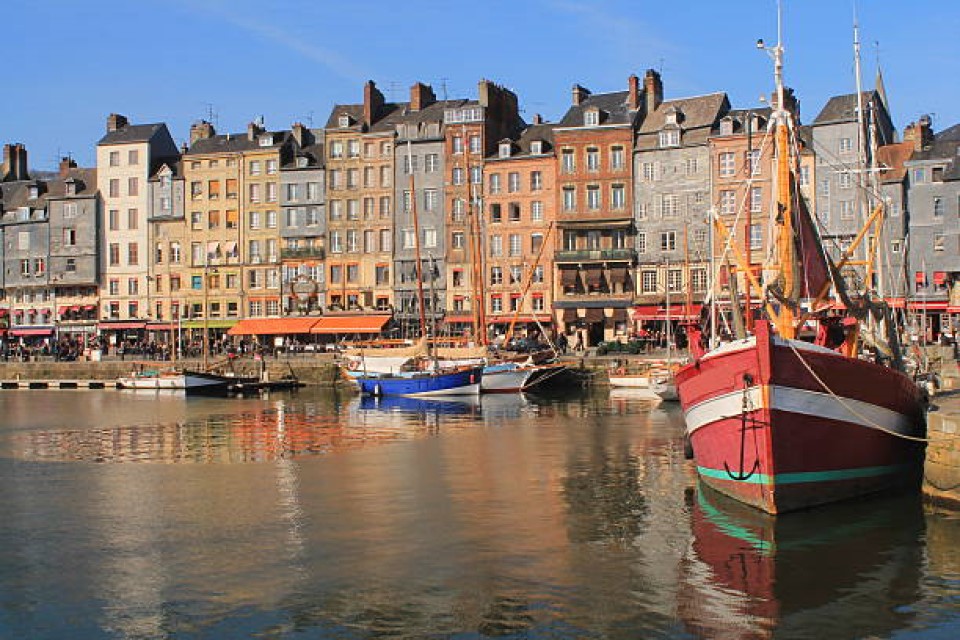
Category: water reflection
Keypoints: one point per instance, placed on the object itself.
(837, 572)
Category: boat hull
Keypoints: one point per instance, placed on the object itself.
(191, 382)
(459, 382)
(768, 432)
(630, 382)
(505, 378)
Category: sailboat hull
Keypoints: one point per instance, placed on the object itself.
(460, 382)
(784, 425)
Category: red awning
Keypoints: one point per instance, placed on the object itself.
(4, 312)
(933, 305)
(31, 332)
(350, 324)
(272, 326)
(659, 312)
(939, 277)
(62, 310)
(921, 277)
(18, 312)
(89, 307)
(75, 308)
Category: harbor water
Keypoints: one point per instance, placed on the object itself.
(320, 514)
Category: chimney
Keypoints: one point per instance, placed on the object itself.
(8, 155)
(372, 103)
(201, 131)
(14, 163)
(421, 96)
(653, 90)
(115, 122)
(537, 118)
(253, 130)
(633, 92)
(302, 135)
(579, 94)
(925, 124)
(65, 165)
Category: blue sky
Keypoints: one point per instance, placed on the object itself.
(292, 60)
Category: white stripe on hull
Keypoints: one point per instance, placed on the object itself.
(468, 390)
(800, 401)
(510, 380)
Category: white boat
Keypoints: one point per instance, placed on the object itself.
(513, 377)
(191, 382)
(630, 381)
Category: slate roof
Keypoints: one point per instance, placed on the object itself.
(314, 154)
(701, 117)
(176, 169)
(613, 108)
(521, 146)
(132, 133)
(233, 143)
(389, 116)
(739, 117)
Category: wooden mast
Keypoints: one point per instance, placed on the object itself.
(526, 286)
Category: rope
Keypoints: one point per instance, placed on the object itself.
(870, 423)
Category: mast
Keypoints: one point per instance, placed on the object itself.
(861, 132)
(526, 286)
(416, 244)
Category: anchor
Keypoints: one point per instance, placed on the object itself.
(740, 476)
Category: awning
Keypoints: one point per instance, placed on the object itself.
(940, 277)
(659, 312)
(593, 315)
(118, 326)
(75, 308)
(933, 305)
(921, 277)
(273, 326)
(62, 310)
(89, 307)
(568, 277)
(350, 324)
(4, 312)
(18, 312)
(45, 311)
(45, 331)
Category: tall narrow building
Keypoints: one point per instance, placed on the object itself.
(127, 156)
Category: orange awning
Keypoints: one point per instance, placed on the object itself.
(272, 326)
(350, 324)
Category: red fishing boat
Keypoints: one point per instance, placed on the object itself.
(782, 423)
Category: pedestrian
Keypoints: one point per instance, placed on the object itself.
(579, 345)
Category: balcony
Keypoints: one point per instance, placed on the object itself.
(301, 253)
(596, 255)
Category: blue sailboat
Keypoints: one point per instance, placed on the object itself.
(461, 381)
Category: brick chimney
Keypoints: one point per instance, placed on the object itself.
(920, 133)
(421, 96)
(14, 163)
(373, 102)
(201, 131)
(253, 130)
(65, 165)
(537, 118)
(301, 134)
(652, 90)
(633, 92)
(115, 122)
(579, 94)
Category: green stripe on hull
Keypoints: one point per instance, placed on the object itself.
(806, 476)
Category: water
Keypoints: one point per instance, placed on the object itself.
(317, 515)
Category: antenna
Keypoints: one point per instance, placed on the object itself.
(443, 87)
(211, 116)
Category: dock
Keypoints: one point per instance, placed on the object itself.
(57, 384)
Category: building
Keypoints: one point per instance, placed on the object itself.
(897, 284)
(303, 224)
(127, 155)
(672, 165)
(519, 228)
(595, 255)
(168, 239)
(933, 203)
(472, 132)
(360, 199)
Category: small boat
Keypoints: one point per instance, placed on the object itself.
(630, 381)
(460, 381)
(191, 382)
(514, 377)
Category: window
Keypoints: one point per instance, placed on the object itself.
(132, 219)
(496, 275)
(476, 175)
(593, 159)
(457, 240)
(804, 176)
(536, 241)
(474, 144)
(675, 280)
(232, 219)
(846, 209)
(515, 245)
(71, 266)
(513, 182)
(591, 118)
(385, 206)
(567, 162)
(409, 164)
(496, 246)
(641, 242)
(669, 205)
(271, 219)
(431, 163)
(133, 253)
(353, 241)
(494, 183)
(431, 198)
(114, 158)
(896, 246)
(616, 158)
(114, 219)
(254, 193)
(70, 237)
(514, 209)
(175, 252)
(386, 240)
(114, 187)
(938, 242)
(536, 181)
(369, 208)
(271, 192)
(649, 172)
(536, 211)
(938, 207)
(919, 176)
(457, 144)
(692, 166)
(756, 199)
(569, 198)
(408, 238)
(254, 220)
(114, 287)
(593, 197)
(70, 210)
(457, 176)
(670, 138)
(728, 203)
(698, 279)
(756, 237)
(213, 220)
(336, 242)
(133, 186)
(846, 145)
(114, 253)
(133, 286)
(648, 280)
(728, 164)
(429, 238)
(668, 241)
(845, 180)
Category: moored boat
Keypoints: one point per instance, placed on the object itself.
(188, 381)
(460, 381)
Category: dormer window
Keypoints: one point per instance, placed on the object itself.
(726, 126)
(536, 147)
(266, 140)
(34, 191)
(670, 138)
(591, 117)
(70, 187)
(504, 149)
(343, 121)
(673, 116)
(301, 162)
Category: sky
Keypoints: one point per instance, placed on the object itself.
(70, 64)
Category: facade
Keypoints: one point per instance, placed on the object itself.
(168, 239)
(360, 202)
(596, 254)
(472, 131)
(932, 201)
(893, 185)
(419, 180)
(844, 151)
(673, 163)
(519, 228)
(303, 224)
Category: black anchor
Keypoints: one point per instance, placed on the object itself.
(741, 476)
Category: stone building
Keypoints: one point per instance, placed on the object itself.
(168, 241)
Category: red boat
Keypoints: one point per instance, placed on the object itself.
(782, 423)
